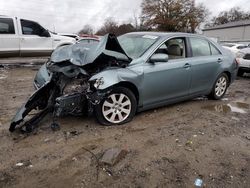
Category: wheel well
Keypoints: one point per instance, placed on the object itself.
(130, 86)
(228, 75)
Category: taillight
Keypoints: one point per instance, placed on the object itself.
(236, 62)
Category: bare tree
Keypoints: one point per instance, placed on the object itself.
(87, 29)
(234, 14)
(125, 28)
(172, 15)
(109, 26)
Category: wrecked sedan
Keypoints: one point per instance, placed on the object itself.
(117, 77)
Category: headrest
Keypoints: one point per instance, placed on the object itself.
(174, 49)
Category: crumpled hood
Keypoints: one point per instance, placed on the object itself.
(81, 54)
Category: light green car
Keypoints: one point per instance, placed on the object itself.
(117, 77)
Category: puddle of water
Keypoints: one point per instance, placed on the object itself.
(243, 105)
(240, 106)
(200, 99)
(236, 109)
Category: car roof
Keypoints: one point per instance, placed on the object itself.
(236, 44)
(167, 34)
(5, 16)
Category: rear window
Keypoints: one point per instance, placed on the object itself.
(7, 26)
(202, 47)
(214, 50)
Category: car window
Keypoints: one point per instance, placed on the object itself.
(31, 28)
(214, 50)
(247, 57)
(174, 48)
(87, 41)
(200, 47)
(6, 26)
(241, 47)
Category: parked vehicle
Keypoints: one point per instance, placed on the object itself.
(116, 78)
(243, 58)
(72, 35)
(20, 37)
(88, 40)
(234, 47)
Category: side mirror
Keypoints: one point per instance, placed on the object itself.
(158, 58)
(45, 33)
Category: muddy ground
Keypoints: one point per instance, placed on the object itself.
(167, 147)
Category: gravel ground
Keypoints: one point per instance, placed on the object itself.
(167, 147)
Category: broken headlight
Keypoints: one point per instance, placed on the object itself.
(98, 82)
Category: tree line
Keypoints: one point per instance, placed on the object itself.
(169, 15)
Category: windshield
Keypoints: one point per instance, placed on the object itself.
(136, 45)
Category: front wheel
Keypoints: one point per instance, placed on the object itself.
(117, 108)
(220, 87)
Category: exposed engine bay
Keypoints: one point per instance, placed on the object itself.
(67, 89)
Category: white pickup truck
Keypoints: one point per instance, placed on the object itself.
(20, 37)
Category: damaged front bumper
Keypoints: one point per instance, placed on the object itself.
(48, 99)
(40, 99)
(42, 77)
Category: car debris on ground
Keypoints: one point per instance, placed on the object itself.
(112, 156)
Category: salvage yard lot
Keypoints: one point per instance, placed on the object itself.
(167, 147)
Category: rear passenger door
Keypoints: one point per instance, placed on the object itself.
(9, 39)
(205, 63)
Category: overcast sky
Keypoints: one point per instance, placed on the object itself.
(72, 15)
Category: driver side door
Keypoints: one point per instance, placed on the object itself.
(167, 81)
(32, 43)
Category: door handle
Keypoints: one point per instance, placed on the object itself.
(186, 66)
(219, 60)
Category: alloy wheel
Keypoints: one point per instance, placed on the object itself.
(221, 86)
(116, 108)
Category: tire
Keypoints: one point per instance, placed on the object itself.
(220, 87)
(240, 73)
(117, 108)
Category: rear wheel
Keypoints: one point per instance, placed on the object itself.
(220, 87)
(117, 108)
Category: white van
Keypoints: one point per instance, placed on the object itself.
(20, 37)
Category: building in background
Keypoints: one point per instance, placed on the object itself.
(230, 32)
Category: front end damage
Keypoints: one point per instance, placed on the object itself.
(65, 85)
